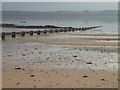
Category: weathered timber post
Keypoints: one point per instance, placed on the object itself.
(31, 33)
(90, 27)
(85, 29)
(61, 30)
(82, 29)
(23, 33)
(79, 29)
(13, 34)
(45, 31)
(38, 32)
(51, 31)
(3, 36)
(73, 29)
(56, 30)
(65, 30)
(69, 29)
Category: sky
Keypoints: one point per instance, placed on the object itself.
(58, 6)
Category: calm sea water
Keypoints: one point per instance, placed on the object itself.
(109, 22)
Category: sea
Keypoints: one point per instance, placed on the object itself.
(108, 19)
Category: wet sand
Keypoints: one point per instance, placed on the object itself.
(76, 41)
(99, 34)
(59, 61)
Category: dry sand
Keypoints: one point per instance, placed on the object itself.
(59, 78)
(59, 61)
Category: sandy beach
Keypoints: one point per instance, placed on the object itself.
(61, 60)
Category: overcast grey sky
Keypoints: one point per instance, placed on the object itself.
(58, 6)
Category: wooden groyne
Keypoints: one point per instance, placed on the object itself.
(38, 32)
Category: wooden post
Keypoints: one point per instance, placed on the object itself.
(51, 31)
(13, 34)
(79, 29)
(73, 29)
(31, 33)
(87, 28)
(45, 31)
(56, 30)
(82, 29)
(3, 36)
(90, 27)
(61, 30)
(23, 33)
(38, 32)
(69, 29)
(65, 30)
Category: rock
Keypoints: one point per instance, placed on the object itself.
(9, 55)
(75, 56)
(85, 76)
(25, 49)
(47, 58)
(17, 68)
(23, 69)
(17, 83)
(89, 62)
(36, 48)
(32, 75)
(103, 79)
(23, 54)
(34, 86)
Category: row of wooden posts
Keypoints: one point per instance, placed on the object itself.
(38, 32)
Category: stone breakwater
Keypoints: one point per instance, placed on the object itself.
(33, 26)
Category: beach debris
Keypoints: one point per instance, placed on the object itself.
(32, 75)
(84, 84)
(103, 79)
(57, 83)
(89, 62)
(23, 69)
(23, 54)
(75, 56)
(34, 86)
(25, 49)
(47, 58)
(85, 76)
(36, 48)
(118, 79)
(39, 52)
(9, 55)
(17, 68)
(18, 83)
